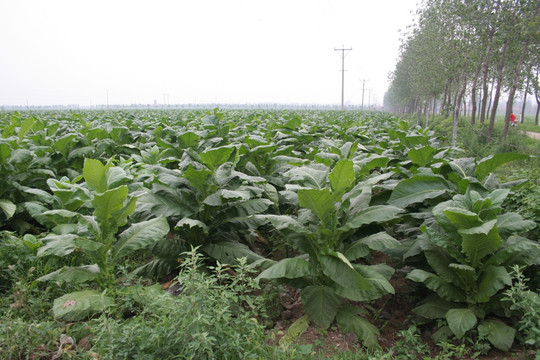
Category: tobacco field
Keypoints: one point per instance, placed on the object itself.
(261, 234)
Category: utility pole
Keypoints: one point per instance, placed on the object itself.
(363, 89)
(343, 75)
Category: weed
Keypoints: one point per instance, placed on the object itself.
(213, 317)
(527, 304)
(410, 345)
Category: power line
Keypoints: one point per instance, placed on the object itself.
(343, 75)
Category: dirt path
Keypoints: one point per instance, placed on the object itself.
(534, 135)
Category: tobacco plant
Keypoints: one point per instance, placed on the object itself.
(209, 203)
(470, 248)
(101, 236)
(332, 237)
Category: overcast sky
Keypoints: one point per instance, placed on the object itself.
(60, 52)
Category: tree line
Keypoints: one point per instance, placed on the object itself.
(463, 53)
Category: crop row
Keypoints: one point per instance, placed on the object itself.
(333, 186)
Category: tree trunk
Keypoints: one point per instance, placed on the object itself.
(473, 94)
(525, 100)
(490, 97)
(459, 98)
(514, 86)
(500, 67)
(537, 97)
(485, 75)
(427, 112)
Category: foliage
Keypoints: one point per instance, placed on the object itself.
(307, 196)
(20, 267)
(96, 236)
(525, 199)
(214, 317)
(28, 339)
(526, 304)
(209, 202)
(470, 248)
(330, 232)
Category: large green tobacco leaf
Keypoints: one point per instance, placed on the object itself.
(216, 156)
(341, 178)
(512, 223)
(313, 177)
(95, 174)
(348, 320)
(371, 162)
(192, 223)
(498, 334)
(109, 202)
(372, 214)
(494, 278)
(340, 270)
(224, 195)
(417, 189)
(462, 218)
(165, 201)
(461, 321)
(76, 275)
(7, 207)
(21, 157)
(422, 156)
(62, 143)
(294, 331)
(356, 250)
(188, 140)
(517, 250)
(290, 268)
(227, 252)
(79, 305)
(379, 284)
(434, 308)
(490, 163)
(480, 241)
(58, 245)
(249, 207)
(285, 222)
(433, 282)
(321, 304)
(25, 127)
(140, 235)
(444, 265)
(379, 241)
(320, 201)
(5, 152)
(199, 179)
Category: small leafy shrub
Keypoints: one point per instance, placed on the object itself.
(22, 339)
(20, 266)
(525, 199)
(527, 306)
(410, 345)
(214, 317)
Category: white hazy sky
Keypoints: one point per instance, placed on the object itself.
(55, 52)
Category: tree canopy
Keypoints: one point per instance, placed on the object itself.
(467, 52)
